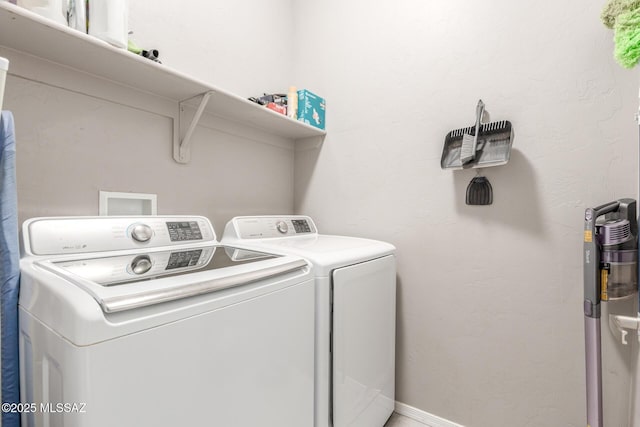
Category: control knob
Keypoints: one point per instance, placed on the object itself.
(141, 233)
(141, 264)
(282, 227)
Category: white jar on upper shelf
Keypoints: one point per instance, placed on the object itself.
(109, 21)
(52, 9)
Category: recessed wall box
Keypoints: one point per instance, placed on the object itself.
(116, 203)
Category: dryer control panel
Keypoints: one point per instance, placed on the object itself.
(266, 227)
(73, 235)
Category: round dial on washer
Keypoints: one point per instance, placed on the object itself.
(141, 233)
(282, 227)
(141, 264)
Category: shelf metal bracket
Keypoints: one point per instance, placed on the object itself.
(182, 143)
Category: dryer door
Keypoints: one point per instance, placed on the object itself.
(364, 319)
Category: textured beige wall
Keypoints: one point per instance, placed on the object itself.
(242, 46)
(490, 323)
(70, 146)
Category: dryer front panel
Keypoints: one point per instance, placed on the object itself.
(363, 342)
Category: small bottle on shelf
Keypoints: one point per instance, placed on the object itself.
(292, 102)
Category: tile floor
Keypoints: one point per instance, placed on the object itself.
(400, 421)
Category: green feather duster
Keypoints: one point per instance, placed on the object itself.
(614, 8)
(627, 38)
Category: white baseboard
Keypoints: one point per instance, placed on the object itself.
(423, 417)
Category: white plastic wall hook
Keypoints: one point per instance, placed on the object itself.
(619, 323)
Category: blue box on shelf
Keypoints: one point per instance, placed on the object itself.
(311, 108)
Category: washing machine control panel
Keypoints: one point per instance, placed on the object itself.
(266, 227)
(69, 235)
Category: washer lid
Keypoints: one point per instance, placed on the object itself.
(137, 279)
(298, 234)
(325, 252)
(142, 266)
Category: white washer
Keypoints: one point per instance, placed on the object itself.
(355, 314)
(148, 321)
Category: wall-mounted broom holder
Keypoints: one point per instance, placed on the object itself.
(480, 146)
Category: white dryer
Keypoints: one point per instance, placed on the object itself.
(355, 314)
(149, 321)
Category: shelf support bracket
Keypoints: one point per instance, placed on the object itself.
(182, 144)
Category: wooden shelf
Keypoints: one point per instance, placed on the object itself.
(32, 34)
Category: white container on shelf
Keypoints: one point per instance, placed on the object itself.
(52, 9)
(78, 15)
(292, 102)
(4, 66)
(109, 21)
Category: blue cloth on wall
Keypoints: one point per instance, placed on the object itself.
(9, 269)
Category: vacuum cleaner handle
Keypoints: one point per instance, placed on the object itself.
(605, 208)
(591, 258)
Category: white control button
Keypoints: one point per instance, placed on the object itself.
(141, 264)
(141, 233)
(282, 227)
